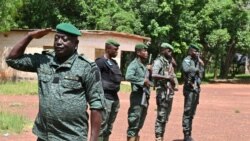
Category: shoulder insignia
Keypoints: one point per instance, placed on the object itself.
(186, 60)
(46, 52)
(82, 57)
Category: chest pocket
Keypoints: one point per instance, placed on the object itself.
(44, 74)
(72, 82)
(116, 74)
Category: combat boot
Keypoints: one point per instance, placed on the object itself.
(106, 138)
(188, 138)
(100, 138)
(159, 139)
(131, 138)
(137, 138)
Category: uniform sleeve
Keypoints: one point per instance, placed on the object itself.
(100, 64)
(27, 62)
(94, 90)
(188, 67)
(156, 67)
(132, 76)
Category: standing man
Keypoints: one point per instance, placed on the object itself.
(137, 75)
(164, 78)
(66, 82)
(111, 79)
(192, 67)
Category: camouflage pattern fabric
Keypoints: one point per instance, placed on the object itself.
(164, 97)
(191, 93)
(64, 91)
(136, 72)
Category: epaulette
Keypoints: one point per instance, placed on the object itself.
(98, 58)
(187, 60)
(47, 52)
(82, 57)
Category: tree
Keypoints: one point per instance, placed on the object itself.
(7, 13)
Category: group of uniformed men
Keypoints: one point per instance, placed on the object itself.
(68, 81)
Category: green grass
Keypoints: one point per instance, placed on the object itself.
(125, 88)
(243, 76)
(12, 123)
(19, 88)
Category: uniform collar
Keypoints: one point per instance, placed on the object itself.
(162, 58)
(67, 64)
(139, 62)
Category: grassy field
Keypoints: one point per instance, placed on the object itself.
(12, 123)
(31, 88)
(19, 88)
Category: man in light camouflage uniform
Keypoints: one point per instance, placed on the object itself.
(192, 67)
(67, 81)
(140, 84)
(111, 80)
(165, 81)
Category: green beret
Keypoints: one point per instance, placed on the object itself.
(194, 47)
(68, 29)
(141, 46)
(112, 43)
(167, 45)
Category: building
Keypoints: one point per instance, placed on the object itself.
(91, 44)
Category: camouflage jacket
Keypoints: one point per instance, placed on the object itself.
(64, 91)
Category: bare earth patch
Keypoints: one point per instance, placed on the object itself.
(222, 115)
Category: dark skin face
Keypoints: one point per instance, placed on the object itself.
(65, 46)
(142, 54)
(111, 51)
(194, 53)
(167, 53)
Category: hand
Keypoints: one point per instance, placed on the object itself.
(39, 33)
(146, 83)
(149, 67)
(200, 61)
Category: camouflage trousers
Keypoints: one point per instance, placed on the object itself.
(190, 105)
(164, 107)
(136, 117)
(108, 117)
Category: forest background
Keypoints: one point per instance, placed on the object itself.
(220, 27)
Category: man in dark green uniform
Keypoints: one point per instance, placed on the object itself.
(192, 67)
(164, 78)
(137, 75)
(67, 81)
(111, 79)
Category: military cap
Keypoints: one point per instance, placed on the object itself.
(194, 47)
(167, 45)
(112, 43)
(141, 46)
(68, 29)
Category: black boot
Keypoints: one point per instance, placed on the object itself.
(188, 138)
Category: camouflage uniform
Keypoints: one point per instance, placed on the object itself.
(111, 79)
(137, 112)
(64, 90)
(191, 91)
(164, 92)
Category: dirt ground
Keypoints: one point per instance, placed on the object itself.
(222, 115)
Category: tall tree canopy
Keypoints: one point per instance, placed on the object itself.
(221, 28)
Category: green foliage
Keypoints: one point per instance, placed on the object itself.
(19, 88)
(8, 10)
(12, 123)
(222, 28)
(125, 88)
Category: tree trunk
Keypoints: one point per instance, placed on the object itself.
(225, 64)
(247, 65)
(216, 66)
